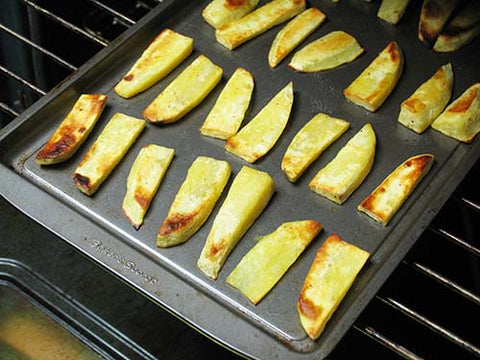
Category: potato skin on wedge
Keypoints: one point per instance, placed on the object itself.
(219, 12)
(143, 181)
(428, 101)
(265, 264)
(372, 87)
(206, 178)
(248, 196)
(73, 130)
(331, 275)
(328, 52)
(385, 201)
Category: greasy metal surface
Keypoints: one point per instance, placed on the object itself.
(98, 227)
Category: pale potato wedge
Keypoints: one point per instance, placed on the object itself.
(229, 110)
(392, 10)
(274, 12)
(248, 196)
(265, 264)
(206, 178)
(433, 17)
(145, 176)
(331, 275)
(372, 87)
(307, 145)
(111, 145)
(185, 92)
(293, 34)
(163, 55)
(384, 202)
(73, 130)
(428, 101)
(341, 176)
(328, 52)
(256, 138)
(461, 119)
(219, 12)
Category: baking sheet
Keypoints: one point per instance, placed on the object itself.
(97, 226)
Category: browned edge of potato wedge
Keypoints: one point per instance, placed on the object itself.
(219, 12)
(433, 16)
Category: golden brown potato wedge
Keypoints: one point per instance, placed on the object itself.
(341, 176)
(433, 17)
(220, 12)
(328, 52)
(274, 12)
(331, 275)
(229, 110)
(163, 55)
(256, 138)
(194, 202)
(392, 10)
(185, 92)
(372, 87)
(384, 202)
(248, 196)
(307, 145)
(265, 264)
(461, 119)
(73, 130)
(111, 145)
(293, 34)
(143, 181)
(428, 101)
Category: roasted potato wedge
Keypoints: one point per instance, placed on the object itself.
(185, 92)
(461, 119)
(274, 12)
(433, 16)
(143, 181)
(293, 34)
(307, 145)
(228, 113)
(111, 145)
(372, 87)
(163, 55)
(328, 52)
(73, 130)
(384, 202)
(428, 101)
(392, 10)
(331, 275)
(256, 138)
(206, 178)
(248, 196)
(265, 264)
(341, 176)
(220, 12)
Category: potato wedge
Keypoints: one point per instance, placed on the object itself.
(143, 181)
(265, 264)
(433, 17)
(163, 55)
(220, 12)
(392, 10)
(461, 119)
(372, 87)
(428, 101)
(248, 196)
(274, 12)
(229, 110)
(256, 138)
(307, 145)
(328, 52)
(111, 145)
(331, 275)
(73, 130)
(384, 202)
(462, 29)
(341, 176)
(206, 178)
(185, 92)
(293, 34)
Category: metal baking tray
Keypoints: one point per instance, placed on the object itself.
(97, 227)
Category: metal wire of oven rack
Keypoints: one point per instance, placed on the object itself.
(388, 303)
